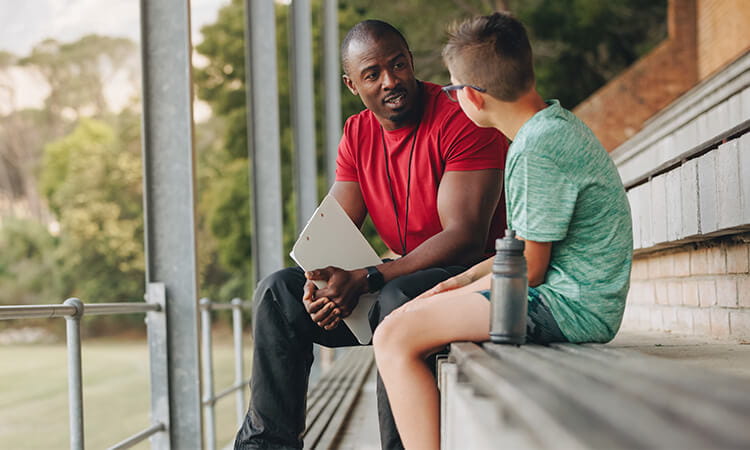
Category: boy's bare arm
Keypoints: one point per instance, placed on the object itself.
(537, 260)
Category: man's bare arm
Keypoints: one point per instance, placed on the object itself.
(466, 205)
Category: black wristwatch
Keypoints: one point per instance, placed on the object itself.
(375, 279)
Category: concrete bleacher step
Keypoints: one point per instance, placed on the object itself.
(333, 397)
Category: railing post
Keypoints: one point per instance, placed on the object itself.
(75, 394)
(208, 374)
(332, 85)
(156, 326)
(239, 373)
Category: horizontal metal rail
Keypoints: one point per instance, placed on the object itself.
(96, 309)
(73, 310)
(225, 392)
(139, 437)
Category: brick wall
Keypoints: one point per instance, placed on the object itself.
(617, 111)
(704, 36)
(723, 33)
(701, 289)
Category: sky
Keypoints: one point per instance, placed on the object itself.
(24, 23)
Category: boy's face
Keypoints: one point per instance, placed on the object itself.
(470, 108)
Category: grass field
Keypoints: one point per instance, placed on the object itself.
(34, 393)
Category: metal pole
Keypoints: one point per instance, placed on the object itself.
(239, 373)
(264, 141)
(303, 111)
(332, 85)
(208, 376)
(169, 198)
(75, 379)
(156, 327)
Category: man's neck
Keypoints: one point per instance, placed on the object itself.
(511, 116)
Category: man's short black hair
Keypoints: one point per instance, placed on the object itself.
(365, 30)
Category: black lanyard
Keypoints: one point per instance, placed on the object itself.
(413, 136)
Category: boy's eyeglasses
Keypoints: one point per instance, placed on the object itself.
(452, 90)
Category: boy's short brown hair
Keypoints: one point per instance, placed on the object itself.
(492, 52)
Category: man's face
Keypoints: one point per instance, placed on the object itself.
(381, 72)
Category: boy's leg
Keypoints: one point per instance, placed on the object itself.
(394, 294)
(403, 341)
(283, 336)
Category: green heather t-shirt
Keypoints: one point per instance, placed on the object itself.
(562, 187)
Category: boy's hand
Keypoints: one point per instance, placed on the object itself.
(450, 284)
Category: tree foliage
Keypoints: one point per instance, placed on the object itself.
(92, 181)
(89, 171)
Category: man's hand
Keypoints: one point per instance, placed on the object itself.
(342, 291)
(321, 310)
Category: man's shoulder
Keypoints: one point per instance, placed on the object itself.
(437, 105)
(357, 123)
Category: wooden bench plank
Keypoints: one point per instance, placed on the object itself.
(589, 396)
(331, 399)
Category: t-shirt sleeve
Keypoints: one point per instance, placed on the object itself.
(541, 198)
(469, 147)
(346, 163)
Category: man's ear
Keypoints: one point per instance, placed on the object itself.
(475, 97)
(349, 84)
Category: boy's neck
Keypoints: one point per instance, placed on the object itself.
(511, 116)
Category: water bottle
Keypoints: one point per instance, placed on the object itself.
(510, 288)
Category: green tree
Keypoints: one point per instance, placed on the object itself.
(579, 44)
(92, 182)
(28, 265)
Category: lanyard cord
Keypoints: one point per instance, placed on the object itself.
(413, 135)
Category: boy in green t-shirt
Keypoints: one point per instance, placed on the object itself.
(564, 198)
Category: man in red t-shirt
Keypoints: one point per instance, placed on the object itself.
(430, 180)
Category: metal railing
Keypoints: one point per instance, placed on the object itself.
(73, 310)
(209, 398)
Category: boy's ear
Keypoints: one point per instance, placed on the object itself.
(349, 84)
(475, 97)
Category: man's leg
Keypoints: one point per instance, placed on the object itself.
(283, 336)
(394, 294)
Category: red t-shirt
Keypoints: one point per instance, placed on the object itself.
(445, 140)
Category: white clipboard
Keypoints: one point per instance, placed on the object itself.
(330, 238)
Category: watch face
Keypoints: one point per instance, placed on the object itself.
(374, 279)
